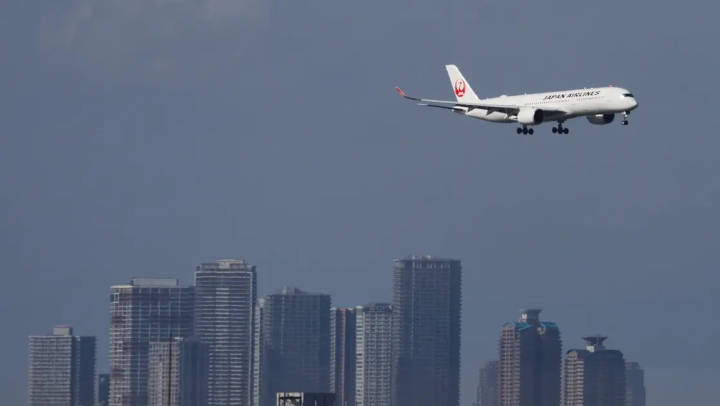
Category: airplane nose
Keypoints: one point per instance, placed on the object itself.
(634, 104)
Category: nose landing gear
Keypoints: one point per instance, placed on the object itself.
(625, 115)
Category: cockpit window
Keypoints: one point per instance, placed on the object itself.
(628, 95)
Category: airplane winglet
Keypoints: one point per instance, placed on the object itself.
(401, 92)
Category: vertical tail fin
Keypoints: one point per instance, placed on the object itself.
(461, 87)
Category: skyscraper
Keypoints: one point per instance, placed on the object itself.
(594, 376)
(259, 356)
(342, 355)
(226, 295)
(634, 385)
(62, 369)
(141, 312)
(296, 343)
(374, 355)
(426, 331)
(487, 393)
(530, 362)
(178, 373)
(550, 364)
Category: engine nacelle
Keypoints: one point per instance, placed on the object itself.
(530, 116)
(601, 119)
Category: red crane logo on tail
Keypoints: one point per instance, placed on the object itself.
(459, 88)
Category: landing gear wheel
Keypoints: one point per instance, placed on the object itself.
(531, 131)
(554, 130)
(625, 122)
(565, 131)
(524, 131)
(519, 130)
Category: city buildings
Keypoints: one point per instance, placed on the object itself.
(226, 296)
(634, 384)
(141, 312)
(487, 390)
(530, 354)
(426, 331)
(374, 355)
(62, 369)
(296, 343)
(178, 373)
(342, 355)
(594, 376)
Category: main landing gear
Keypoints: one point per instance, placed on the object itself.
(625, 114)
(559, 129)
(525, 130)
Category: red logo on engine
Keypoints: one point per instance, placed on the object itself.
(459, 88)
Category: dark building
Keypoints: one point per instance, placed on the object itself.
(342, 355)
(487, 390)
(62, 369)
(226, 296)
(103, 390)
(594, 376)
(295, 336)
(530, 371)
(634, 385)
(427, 293)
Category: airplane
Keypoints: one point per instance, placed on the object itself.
(598, 104)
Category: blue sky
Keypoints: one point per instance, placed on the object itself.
(142, 137)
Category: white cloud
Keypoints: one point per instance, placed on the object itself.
(158, 40)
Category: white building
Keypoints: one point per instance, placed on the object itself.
(144, 311)
(226, 295)
(62, 369)
(373, 374)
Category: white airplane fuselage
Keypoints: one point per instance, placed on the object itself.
(576, 103)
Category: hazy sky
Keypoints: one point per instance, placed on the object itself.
(142, 137)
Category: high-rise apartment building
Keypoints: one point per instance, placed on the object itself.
(634, 385)
(226, 295)
(550, 364)
(178, 372)
(342, 355)
(374, 355)
(530, 369)
(296, 343)
(487, 390)
(62, 369)
(141, 312)
(103, 390)
(259, 357)
(426, 331)
(594, 376)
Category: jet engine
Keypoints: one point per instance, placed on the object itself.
(601, 119)
(530, 116)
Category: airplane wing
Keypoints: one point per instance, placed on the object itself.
(509, 109)
(454, 108)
